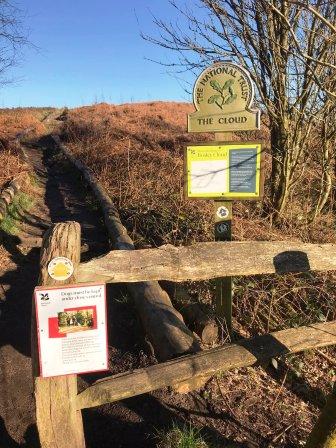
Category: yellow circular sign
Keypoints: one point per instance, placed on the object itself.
(60, 268)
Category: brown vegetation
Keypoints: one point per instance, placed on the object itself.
(11, 164)
(12, 122)
(136, 151)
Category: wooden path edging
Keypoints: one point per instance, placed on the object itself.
(8, 193)
(7, 196)
(205, 364)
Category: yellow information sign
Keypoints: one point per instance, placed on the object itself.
(227, 171)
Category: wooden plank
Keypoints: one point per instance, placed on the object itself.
(202, 261)
(164, 325)
(58, 421)
(206, 363)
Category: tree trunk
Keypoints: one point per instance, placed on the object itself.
(282, 171)
(326, 178)
(277, 157)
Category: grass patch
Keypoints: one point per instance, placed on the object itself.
(34, 180)
(181, 437)
(22, 202)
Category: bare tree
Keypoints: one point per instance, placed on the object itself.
(12, 37)
(326, 136)
(288, 47)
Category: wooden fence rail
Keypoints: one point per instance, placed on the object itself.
(205, 364)
(58, 403)
(202, 261)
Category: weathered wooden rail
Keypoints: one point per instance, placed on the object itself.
(206, 363)
(203, 260)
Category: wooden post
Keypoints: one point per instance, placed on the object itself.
(59, 424)
(223, 232)
(223, 224)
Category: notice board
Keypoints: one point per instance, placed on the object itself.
(227, 171)
(71, 329)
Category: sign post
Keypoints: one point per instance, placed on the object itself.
(223, 232)
(224, 170)
(223, 226)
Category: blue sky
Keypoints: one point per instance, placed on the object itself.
(91, 52)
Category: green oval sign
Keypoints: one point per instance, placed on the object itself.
(223, 96)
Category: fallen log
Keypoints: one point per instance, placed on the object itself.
(202, 261)
(206, 363)
(163, 324)
(193, 313)
(201, 323)
(58, 422)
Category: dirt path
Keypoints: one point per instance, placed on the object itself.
(58, 196)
